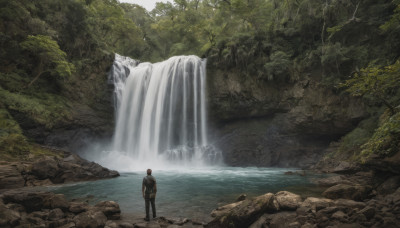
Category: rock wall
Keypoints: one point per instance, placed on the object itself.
(262, 123)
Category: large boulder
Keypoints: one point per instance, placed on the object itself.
(246, 212)
(354, 192)
(110, 209)
(45, 168)
(288, 200)
(90, 219)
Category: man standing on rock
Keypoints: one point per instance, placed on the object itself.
(149, 190)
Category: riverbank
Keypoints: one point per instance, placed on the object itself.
(55, 167)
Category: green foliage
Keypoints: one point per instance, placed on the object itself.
(386, 139)
(350, 144)
(46, 109)
(278, 66)
(49, 56)
(379, 82)
(12, 141)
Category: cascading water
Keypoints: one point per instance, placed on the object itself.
(161, 113)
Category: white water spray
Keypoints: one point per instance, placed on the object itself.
(161, 114)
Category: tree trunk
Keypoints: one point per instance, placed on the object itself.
(40, 72)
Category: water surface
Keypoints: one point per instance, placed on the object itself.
(191, 193)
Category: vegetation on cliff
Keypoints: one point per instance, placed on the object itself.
(55, 53)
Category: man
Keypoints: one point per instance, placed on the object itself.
(149, 190)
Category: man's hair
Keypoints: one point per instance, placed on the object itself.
(148, 171)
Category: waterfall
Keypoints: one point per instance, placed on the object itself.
(161, 115)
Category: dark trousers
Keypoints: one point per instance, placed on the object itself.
(153, 206)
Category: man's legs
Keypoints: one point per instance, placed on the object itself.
(147, 203)
(153, 207)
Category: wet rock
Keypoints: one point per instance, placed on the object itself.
(90, 219)
(10, 177)
(288, 200)
(317, 204)
(353, 192)
(78, 207)
(246, 212)
(241, 197)
(224, 209)
(110, 209)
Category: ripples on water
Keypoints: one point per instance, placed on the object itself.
(190, 193)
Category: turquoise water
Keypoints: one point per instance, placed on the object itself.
(192, 193)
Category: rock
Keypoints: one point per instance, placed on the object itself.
(110, 209)
(303, 210)
(390, 222)
(45, 168)
(246, 212)
(78, 207)
(224, 209)
(282, 220)
(30, 201)
(331, 181)
(40, 214)
(288, 200)
(368, 212)
(10, 177)
(90, 219)
(389, 186)
(125, 225)
(349, 203)
(308, 225)
(147, 225)
(68, 225)
(260, 222)
(317, 204)
(340, 215)
(8, 218)
(34, 182)
(241, 197)
(56, 214)
(112, 224)
(52, 201)
(345, 167)
(327, 212)
(353, 192)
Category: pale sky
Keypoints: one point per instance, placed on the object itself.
(148, 4)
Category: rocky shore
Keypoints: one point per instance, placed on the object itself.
(61, 168)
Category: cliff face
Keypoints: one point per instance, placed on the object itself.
(277, 124)
(90, 111)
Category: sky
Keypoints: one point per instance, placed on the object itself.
(148, 4)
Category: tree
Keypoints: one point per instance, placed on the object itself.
(379, 82)
(49, 57)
